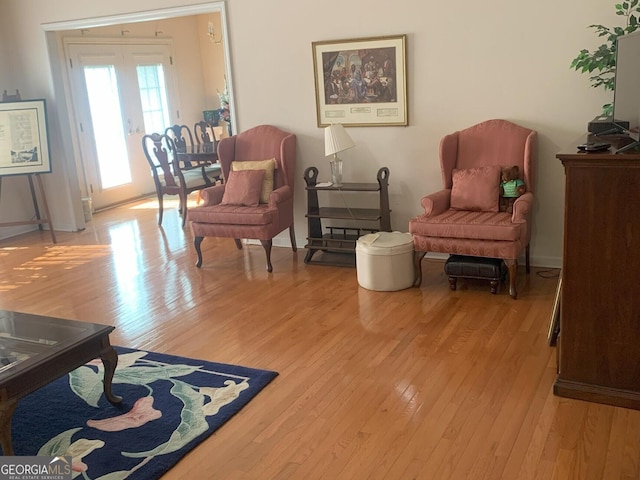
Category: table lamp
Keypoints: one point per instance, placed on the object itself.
(336, 139)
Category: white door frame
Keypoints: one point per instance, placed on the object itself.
(62, 86)
(142, 182)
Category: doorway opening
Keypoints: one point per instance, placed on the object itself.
(127, 78)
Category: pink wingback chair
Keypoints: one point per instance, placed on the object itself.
(480, 232)
(261, 222)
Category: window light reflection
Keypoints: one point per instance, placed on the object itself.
(125, 244)
(42, 266)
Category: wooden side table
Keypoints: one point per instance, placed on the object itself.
(337, 244)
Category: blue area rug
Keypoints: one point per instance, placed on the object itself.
(170, 404)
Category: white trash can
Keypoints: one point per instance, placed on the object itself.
(384, 261)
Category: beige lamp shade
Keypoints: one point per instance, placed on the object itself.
(336, 139)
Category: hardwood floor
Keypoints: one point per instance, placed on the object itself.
(417, 384)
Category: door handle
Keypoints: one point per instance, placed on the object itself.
(131, 131)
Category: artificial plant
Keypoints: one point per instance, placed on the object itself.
(602, 60)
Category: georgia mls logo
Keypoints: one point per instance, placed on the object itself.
(59, 466)
(35, 468)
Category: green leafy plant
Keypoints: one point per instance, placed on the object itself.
(601, 62)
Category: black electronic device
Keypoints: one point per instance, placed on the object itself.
(626, 96)
(594, 147)
(604, 125)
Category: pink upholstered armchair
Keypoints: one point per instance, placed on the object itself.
(256, 199)
(464, 218)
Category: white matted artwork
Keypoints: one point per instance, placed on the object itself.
(361, 82)
(24, 144)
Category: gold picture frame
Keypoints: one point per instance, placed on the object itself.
(361, 82)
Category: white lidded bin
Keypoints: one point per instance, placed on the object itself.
(384, 261)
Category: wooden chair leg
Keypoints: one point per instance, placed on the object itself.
(266, 244)
(180, 203)
(198, 198)
(238, 243)
(292, 236)
(512, 265)
(184, 215)
(197, 241)
(160, 208)
(453, 283)
(182, 207)
(417, 264)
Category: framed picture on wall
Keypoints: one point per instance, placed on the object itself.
(24, 144)
(361, 82)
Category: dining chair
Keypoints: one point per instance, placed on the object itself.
(203, 132)
(168, 176)
(183, 140)
(180, 134)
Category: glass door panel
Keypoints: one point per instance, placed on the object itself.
(153, 96)
(121, 94)
(106, 118)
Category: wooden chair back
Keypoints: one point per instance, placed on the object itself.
(159, 151)
(180, 134)
(203, 132)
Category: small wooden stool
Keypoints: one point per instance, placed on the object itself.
(462, 266)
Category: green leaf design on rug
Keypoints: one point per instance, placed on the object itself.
(125, 360)
(193, 422)
(87, 384)
(140, 375)
(58, 444)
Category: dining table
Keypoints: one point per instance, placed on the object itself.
(198, 154)
(202, 156)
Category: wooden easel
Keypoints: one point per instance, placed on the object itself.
(47, 216)
(45, 207)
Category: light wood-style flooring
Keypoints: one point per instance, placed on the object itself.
(417, 384)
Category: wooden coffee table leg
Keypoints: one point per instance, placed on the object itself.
(110, 360)
(6, 413)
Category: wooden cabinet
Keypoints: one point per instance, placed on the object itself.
(335, 243)
(599, 339)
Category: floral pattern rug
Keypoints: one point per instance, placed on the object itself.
(170, 404)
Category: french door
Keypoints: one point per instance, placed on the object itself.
(120, 92)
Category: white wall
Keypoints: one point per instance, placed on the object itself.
(467, 62)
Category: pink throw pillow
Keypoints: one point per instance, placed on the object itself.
(243, 188)
(476, 189)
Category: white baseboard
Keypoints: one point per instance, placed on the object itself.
(14, 232)
(536, 261)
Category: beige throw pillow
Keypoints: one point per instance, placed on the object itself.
(268, 166)
(476, 189)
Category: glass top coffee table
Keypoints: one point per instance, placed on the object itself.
(35, 350)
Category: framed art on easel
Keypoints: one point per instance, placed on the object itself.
(361, 82)
(24, 143)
